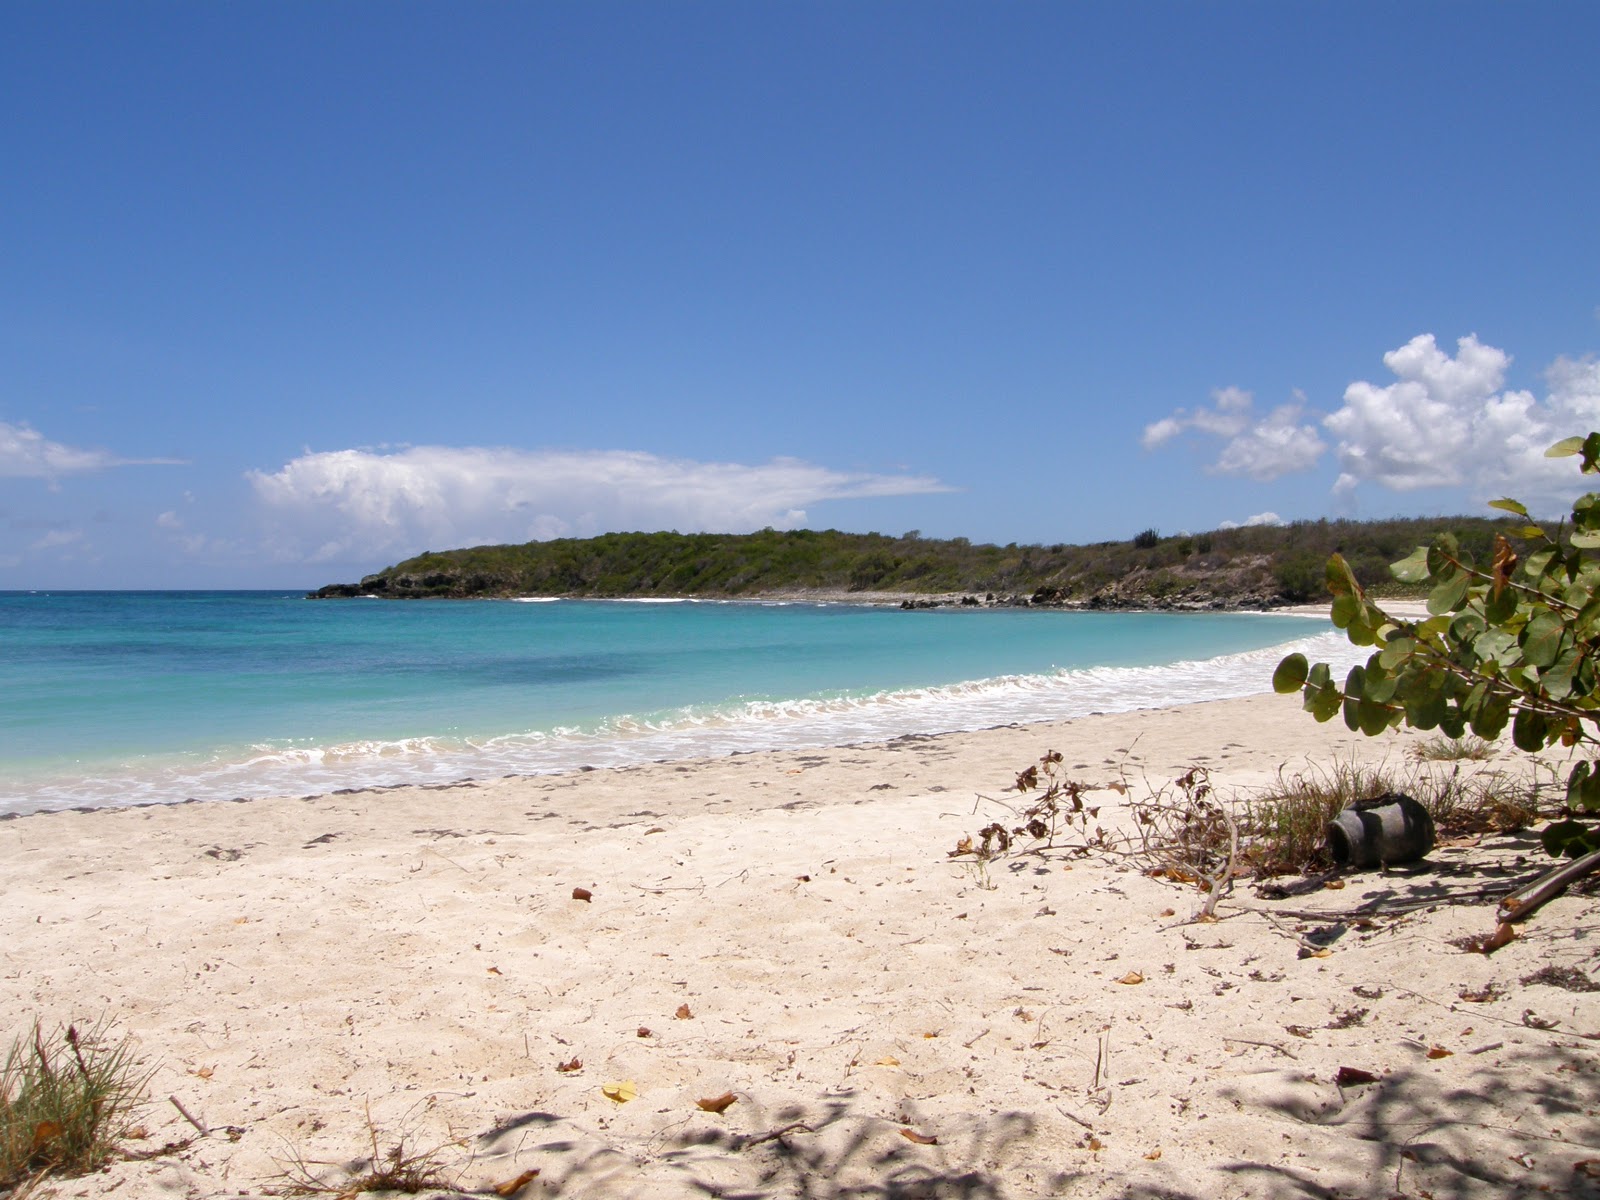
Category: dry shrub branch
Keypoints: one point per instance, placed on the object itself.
(1185, 832)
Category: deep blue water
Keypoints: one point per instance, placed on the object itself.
(127, 697)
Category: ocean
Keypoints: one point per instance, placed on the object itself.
(117, 698)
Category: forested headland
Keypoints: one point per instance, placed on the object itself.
(1252, 567)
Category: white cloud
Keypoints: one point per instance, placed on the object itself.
(27, 454)
(1263, 518)
(361, 503)
(169, 520)
(1446, 422)
(1277, 444)
(58, 537)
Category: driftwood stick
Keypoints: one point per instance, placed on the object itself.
(1551, 884)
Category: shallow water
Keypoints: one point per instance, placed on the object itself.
(135, 697)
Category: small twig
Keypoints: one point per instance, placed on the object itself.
(1252, 1042)
(158, 1152)
(969, 1045)
(189, 1116)
(773, 1135)
(656, 891)
(1072, 1116)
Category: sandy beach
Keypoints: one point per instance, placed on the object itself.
(787, 928)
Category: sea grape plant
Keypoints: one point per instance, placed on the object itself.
(1512, 641)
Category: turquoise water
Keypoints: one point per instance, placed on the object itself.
(133, 697)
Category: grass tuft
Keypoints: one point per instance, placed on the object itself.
(399, 1168)
(65, 1101)
(1284, 826)
(1440, 748)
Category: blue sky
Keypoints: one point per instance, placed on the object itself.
(289, 291)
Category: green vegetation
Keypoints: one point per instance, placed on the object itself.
(1251, 567)
(64, 1102)
(1512, 639)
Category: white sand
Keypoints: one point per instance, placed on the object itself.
(290, 967)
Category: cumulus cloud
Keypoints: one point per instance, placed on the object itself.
(1262, 518)
(1446, 421)
(27, 454)
(1259, 448)
(359, 503)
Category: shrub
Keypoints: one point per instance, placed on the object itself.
(1513, 641)
(1146, 539)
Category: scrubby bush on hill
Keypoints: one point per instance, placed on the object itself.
(1251, 566)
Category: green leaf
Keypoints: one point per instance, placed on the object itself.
(1541, 640)
(1529, 730)
(1373, 717)
(1586, 540)
(1449, 595)
(1322, 697)
(1565, 448)
(1539, 561)
(1510, 506)
(1381, 683)
(1433, 626)
(1569, 838)
(1340, 578)
(1588, 619)
(1346, 610)
(1444, 552)
(1490, 715)
(1500, 609)
(1577, 783)
(1558, 681)
(1425, 709)
(1362, 632)
(1291, 674)
(1354, 684)
(1396, 651)
(1413, 568)
(1452, 722)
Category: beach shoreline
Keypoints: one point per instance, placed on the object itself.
(787, 926)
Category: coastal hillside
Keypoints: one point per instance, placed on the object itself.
(1254, 567)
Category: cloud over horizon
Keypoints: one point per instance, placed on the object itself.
(330, 505)
(1444, 422)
